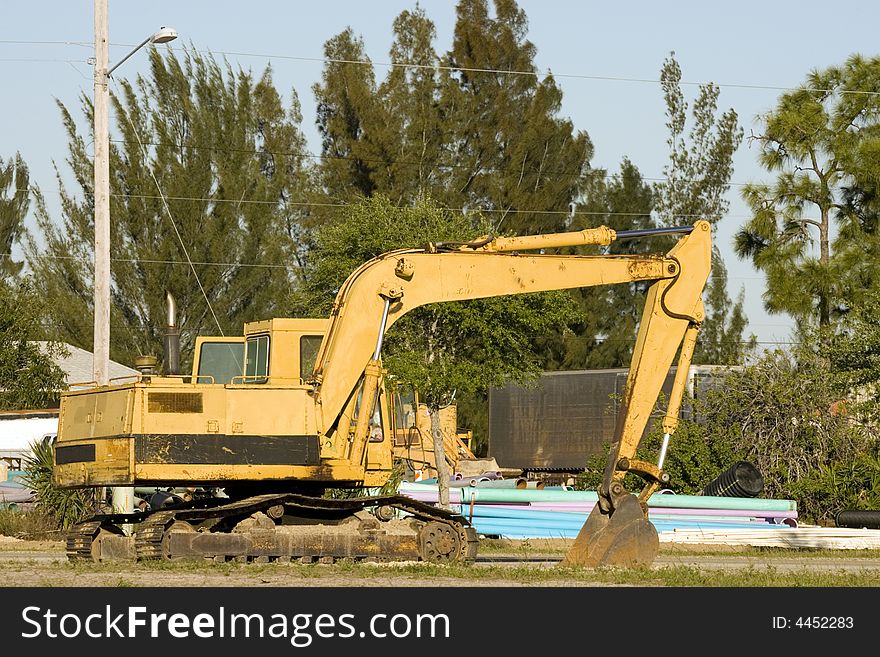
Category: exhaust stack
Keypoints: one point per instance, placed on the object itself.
(172, 337)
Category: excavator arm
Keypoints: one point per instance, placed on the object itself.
(384, 289)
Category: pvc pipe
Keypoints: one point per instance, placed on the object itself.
(587, 507)
(659, 501)
(518, 529)
(525, 527)
(519, 482)
(468, 481)
(540, 517)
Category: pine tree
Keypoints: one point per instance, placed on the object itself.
(14, 204)
(820, 141)
(348, 109)
(29, 377)
(697, 178)
(415, 131)
(512, 154)
(208, 183)
(608, 317)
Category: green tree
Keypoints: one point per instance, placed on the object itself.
(29, 377)
(696, 180)
(511, 154)
(415, 131)
(348, 109)
(819, 140)
(720, 340)
(14, 204)
(853, 354)
(208, 181)
(440, 348)
(604, 332)
(477, 127)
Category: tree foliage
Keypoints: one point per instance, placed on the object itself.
(511, 152)
(820, 141)
(443, 347)
(347, 106)
(853, 356)
(695, 184)
(456, 127)
(14, 203)
(66, 507)
(604, 330)
(29, 376)
(784, 415)
(208, 168)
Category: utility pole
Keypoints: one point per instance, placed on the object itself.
(101, 351)
(123, 496)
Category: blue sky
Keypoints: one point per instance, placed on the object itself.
(606, 57)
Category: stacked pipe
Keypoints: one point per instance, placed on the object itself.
(487, 480)
(519, 513)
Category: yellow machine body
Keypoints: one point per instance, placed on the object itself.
(294, 405)
(194, 429)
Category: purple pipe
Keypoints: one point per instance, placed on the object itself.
(588, 506)
(575, 507)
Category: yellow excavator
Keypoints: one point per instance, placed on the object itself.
(266, 422)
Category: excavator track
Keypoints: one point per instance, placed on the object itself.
(282, 527)
(80, 540)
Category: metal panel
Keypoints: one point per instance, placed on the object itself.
(563, 420)
(75, 454)
(174, 402)
(227, 450)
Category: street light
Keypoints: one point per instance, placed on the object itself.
(123, 498)
(164, 35)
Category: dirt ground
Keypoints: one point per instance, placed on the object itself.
(501, 564)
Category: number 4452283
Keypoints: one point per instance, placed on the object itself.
(824, 622)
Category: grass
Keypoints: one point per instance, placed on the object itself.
(769, 573)
(33, 525)
(357, 574)
(558, 547)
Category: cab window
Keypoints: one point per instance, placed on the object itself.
(257, 359)
(308, 353)
(219, 362)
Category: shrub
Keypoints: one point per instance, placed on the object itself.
(66, 507)
(784, 415)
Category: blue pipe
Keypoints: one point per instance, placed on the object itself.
(529, 513)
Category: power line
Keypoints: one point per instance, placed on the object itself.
(152, 261)
(320, 204)
(347, 158)
(85, 44)
(468, 69)
(19, 60)
(174, 225)
(577, 76)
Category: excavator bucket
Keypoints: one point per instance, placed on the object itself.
(625, 537)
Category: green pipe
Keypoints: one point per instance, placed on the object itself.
(657, 500)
